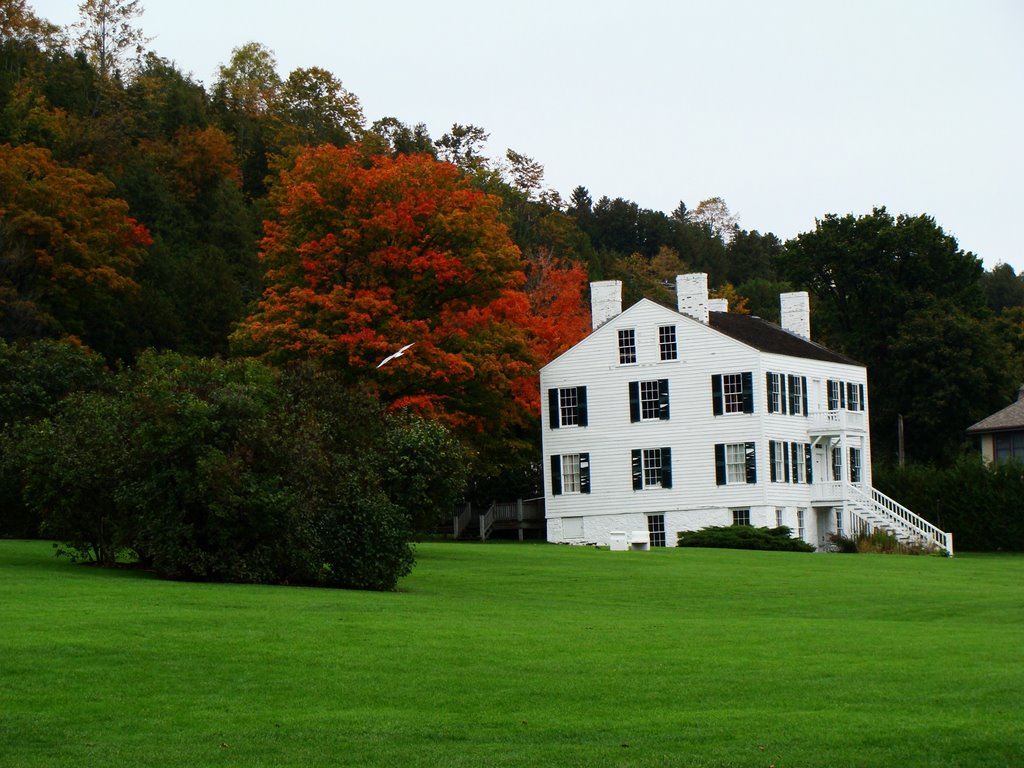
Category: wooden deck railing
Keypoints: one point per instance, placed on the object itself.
(519, 511)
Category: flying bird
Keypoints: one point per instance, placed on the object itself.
(394, 355)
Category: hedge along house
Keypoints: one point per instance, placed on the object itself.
(667, 420)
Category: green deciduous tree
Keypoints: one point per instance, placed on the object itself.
(899, 295)
(107, 32)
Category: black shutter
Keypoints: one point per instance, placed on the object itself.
(556, 475)
(751, 455)
(720, 463)
(581, 406)
(861, 396)
(666, 467)
(716, 394)
(849, 391)
(771, 462)
(810, 463)
(768, 391)
(663, 398)
(794, 406)
(584, 473)
(634, 401)
(797, 458)
(748, 392)
(553, 412)
(638, 471)
(803, 391)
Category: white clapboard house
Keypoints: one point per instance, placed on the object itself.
(666, 420)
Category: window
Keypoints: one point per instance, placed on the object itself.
(656, 530)
(1009, 445)
(853, 397)
(778, 517)
(667, 342)
(845, 395)
(837, 464)
(652, 467)
(789, 462)
(836, 395)
(800, 523)
(567, 407)
(732, 393)
(570, 473)
(648, 400)
(741, 517)
(777, 458)
(776, 395)
(627, 346)
(839, 521)
(735, 463)
(855, 465)
(801, 459)
(798, 395)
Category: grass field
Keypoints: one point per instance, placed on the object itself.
(522, 655)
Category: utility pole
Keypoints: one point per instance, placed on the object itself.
(899, 425)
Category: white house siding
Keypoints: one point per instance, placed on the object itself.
(692, 431)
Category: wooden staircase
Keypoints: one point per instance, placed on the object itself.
(877, 512)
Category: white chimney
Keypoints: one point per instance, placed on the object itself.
(718, 305)
(796, 313)
(605, 301)
(692, 295)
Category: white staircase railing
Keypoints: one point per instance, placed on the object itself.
(879, 511)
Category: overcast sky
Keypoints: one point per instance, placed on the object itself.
(787, 109)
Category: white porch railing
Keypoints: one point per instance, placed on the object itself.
(831, 422)
(868, 509)
(894, 515)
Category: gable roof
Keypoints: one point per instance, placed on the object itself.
(768, 337)
(1010, 417)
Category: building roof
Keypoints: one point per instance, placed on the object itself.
(768, 337)
(1010, 417)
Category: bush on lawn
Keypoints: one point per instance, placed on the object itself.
(34, 378)
(744, 537)
(232, 471)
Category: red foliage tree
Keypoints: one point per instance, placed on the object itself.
(365, 255)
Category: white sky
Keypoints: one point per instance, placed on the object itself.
(787, 109)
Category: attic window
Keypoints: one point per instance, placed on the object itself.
(627, 346)
(667, 342)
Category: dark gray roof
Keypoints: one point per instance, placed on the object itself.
(768, 337)
(1011, 417)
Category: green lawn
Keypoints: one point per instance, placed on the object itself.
(515, 655)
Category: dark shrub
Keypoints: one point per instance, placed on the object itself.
(744, 537)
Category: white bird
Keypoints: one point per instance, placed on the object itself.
(394, 355)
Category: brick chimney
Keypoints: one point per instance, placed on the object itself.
(692, 295)
(796, 313)
(605, 301)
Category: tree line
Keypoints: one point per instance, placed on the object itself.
(263, 218)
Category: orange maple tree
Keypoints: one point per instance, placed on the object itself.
(367, 254)
(68, 250)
